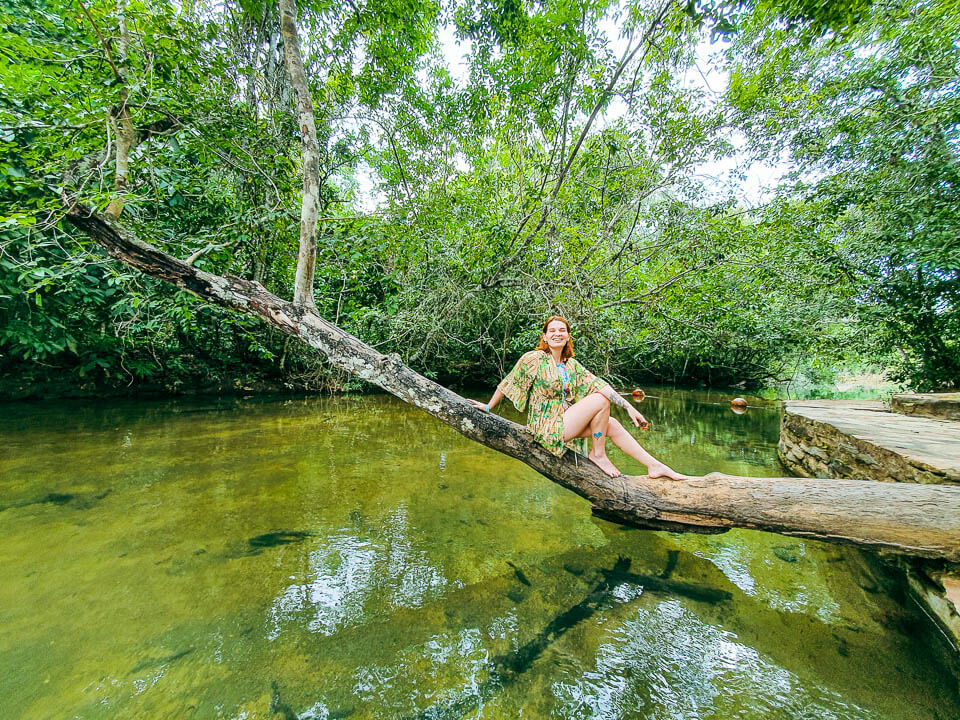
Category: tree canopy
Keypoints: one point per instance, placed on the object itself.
(558, 169)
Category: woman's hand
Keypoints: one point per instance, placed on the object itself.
(487, 407)
(638, 419)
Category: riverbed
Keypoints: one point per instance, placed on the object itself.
(353, 557)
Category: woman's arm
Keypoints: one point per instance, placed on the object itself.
(516, 385)
(635, 415)
(490, 405)
(617, 399)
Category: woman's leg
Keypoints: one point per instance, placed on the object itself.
(577, 417)
(625, 441)
(598, 432)
(590, 418)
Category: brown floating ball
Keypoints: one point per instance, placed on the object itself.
(638, 394)
(738, 403)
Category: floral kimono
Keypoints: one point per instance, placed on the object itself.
(536, 382)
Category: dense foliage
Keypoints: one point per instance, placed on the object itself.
(872, 128)
(561, 171)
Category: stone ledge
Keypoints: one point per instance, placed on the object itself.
(937, 405)
(863, 441)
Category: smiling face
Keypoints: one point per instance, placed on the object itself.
(555, 338)
(556, 335)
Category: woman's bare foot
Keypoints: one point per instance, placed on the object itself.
(603, 462)
(655, 470)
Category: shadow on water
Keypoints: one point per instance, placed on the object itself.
(149, 663)
(275, 539)
(78, 501)
(282, 708)
(278, 706)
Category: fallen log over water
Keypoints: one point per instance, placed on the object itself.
(912, 519)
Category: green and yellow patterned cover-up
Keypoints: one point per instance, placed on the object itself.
(535, 382)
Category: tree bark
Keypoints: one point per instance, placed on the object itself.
(121, 122)
(309, 211)
(126, 136)
(906, 518)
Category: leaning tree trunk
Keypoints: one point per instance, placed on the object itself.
(922, 520)
(309, 211)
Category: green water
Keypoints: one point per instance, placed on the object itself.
(351, 557)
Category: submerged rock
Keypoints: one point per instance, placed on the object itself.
(157, 662)
(274, 539)
(787, 553)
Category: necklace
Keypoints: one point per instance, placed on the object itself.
(565, 378)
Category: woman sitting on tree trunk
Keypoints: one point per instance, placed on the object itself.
(569, 404)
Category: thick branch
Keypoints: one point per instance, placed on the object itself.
(922, 520)
(310, 208)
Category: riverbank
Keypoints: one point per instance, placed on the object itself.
(866, 440)
(19, 388)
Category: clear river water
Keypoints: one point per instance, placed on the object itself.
(351, 557)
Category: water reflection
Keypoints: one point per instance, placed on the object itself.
(667, 657)
(346, 571)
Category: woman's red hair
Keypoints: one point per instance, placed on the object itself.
(567, 351)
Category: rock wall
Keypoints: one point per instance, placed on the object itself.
(945, 406)
(814, 449)
(937, 590)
